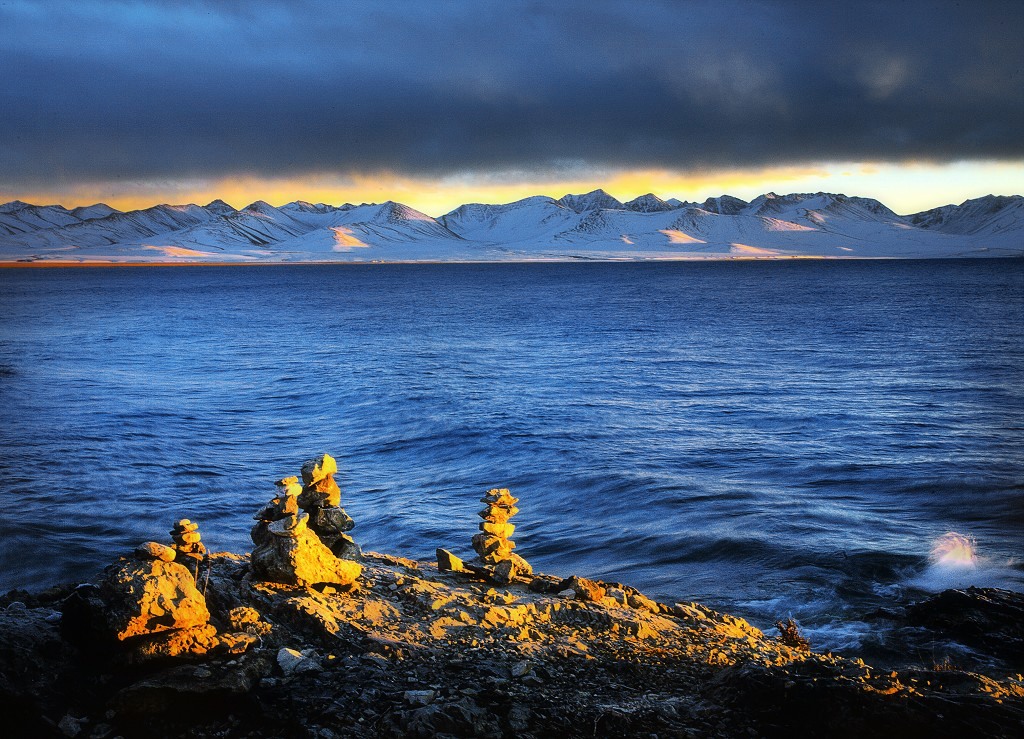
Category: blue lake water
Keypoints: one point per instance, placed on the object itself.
(770, 438)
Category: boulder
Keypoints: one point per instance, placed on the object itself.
(583, 588)
(988, 619)
(448, 562)
(146, 597)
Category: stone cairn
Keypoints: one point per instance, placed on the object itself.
(152, 605)
(188, 544)
(187, 539)
(299, 535)
(321, 499)
(493, 545)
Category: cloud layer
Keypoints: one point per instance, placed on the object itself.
(101, 90)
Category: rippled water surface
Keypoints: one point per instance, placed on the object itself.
(770, 438)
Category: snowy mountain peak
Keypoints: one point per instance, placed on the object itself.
(990, 214)
(594, 200)
(15, 205)
(392, 212)
(303, 206)
(725, 205)
(649, 203)
(817, 207)
(219, 207)
(260, 206)
(90, 212)
(485, 211)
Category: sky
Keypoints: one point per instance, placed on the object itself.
(435, 104)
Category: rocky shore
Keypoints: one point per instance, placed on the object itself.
(169, 642)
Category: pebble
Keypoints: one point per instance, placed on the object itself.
(69, 725)
(294, 662)
(420, 697)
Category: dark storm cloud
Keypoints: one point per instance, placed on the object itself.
(100, 90)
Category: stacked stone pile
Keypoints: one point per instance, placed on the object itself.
(299, 535)
(321, 499)
(187, 539)
(188, 545)
(494, 544)
(284, 504)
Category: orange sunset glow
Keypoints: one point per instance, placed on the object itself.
(906, 188)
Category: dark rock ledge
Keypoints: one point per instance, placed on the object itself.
(408, 650)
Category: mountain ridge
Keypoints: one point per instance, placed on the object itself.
(592, 225)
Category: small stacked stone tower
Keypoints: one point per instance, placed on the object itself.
(187, 540)
(494, 544)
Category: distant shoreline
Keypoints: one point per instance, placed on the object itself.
(50, 264)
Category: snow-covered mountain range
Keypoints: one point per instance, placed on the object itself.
(590, 226)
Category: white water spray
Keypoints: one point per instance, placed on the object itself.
(954, 551)
(954, 562)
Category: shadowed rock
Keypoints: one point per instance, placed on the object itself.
(990, 619)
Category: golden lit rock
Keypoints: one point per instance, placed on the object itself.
(501, 530)
(316, 469)
(494, 544)
(154, 550)
(295, 556)
(152, 596)
(289, 526)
